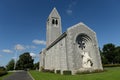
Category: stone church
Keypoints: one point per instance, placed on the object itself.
(74, 50)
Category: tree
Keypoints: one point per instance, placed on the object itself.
(117, 55)
(2, 68)
(10, 65)
(36, 65)
(103, 58)
(109, 52)
(25, 61)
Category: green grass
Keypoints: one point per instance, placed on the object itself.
(109, 74)
(2, 77)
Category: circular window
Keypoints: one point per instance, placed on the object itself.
(81, 40)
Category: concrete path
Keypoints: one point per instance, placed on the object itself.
(19, 75)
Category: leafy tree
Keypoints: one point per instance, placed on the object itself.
(117, 55)
(10, 65)
(25, 61)
(36, 65)
(103, 58)
(2, 68)
(109, 52)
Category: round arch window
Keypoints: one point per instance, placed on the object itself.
(82, 39)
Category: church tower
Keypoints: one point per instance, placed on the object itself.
(53, 27)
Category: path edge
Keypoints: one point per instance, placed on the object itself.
(30, 75)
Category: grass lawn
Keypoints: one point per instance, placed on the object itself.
(109, 74)
(2, 77)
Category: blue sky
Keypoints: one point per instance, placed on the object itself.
(23, 23)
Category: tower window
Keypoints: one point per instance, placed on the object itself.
(56, 22)
(53, 21)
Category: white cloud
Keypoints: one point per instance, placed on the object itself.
(33, 55)
(31, 47)
(19, 47)
(69, 10)
(42, 42)
(7, 51)
(14, 57)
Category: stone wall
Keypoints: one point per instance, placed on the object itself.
(55, 56)
(91, 47)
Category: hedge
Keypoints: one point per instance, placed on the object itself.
(3, 72)
(58, 71)
(67, 72)
(111, 65)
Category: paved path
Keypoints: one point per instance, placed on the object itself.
(20, 75)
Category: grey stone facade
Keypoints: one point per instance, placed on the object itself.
(74, 50)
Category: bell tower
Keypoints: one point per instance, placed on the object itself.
(53, 27)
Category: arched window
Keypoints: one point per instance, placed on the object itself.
(82, 39)
(53, 21)
(56, 22)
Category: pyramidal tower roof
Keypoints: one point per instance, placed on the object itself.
(54, 13)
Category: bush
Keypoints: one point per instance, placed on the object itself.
(3, 73)
(83, 72)
(41, 68)
(111, 65)
(67, 72)
(58, 71)
(97, 71)
(88, 71)
(47, 70)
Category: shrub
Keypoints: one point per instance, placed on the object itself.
(111, 65)
(58, 71)
(42, 68)
(67, 72)
(47, 70)
(88, 71)
(3, 73)
(97, 71)
(83, 72)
